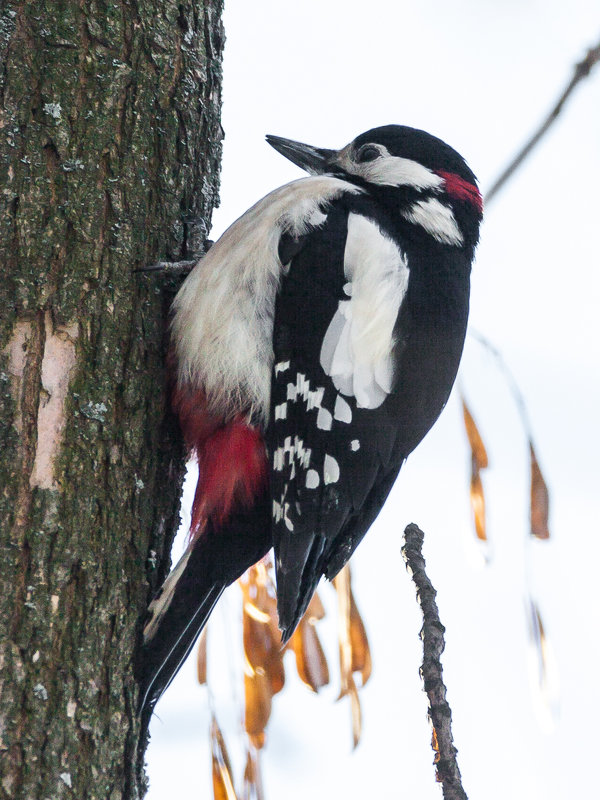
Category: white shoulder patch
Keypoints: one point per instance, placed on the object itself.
(357, 347)
(223, 322)
(437, 219)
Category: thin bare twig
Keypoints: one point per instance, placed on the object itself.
(510, 379)
(582, 70)
(432, 635)
(178, 267)
(169, 267)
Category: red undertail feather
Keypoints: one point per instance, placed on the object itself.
(231, 456)
(461, 189)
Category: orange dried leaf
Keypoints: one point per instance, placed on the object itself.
(275, 671)
(263, 651)
(252, 778)
(349, 658)
(478, 504)
(255, 637)
(356, 713)
(540, 499)
(201, 659)
(257, 694)
(263, 670)
(221, 766)
(479, 461)
(342, 587)
(262, 639)
(310, 658)
(478, 450)
(315, 610)
(258, 740)
(361, 653)
(255, 612)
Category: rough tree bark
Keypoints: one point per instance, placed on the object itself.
(109, 155)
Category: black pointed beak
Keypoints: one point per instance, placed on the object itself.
(315, 160)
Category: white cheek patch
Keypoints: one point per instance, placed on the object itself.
(358, 344)
(389, 170)
(396, 171)
(437, 219)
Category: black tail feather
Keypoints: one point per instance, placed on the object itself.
(297, 583)
(186, 600)
(165, 657)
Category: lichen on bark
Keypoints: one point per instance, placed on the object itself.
(109, 152)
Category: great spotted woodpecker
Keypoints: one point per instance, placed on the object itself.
(313, 347)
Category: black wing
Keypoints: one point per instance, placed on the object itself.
(332, 462)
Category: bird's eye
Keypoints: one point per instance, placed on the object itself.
(368, 152)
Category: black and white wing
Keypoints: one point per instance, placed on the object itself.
(332, 434)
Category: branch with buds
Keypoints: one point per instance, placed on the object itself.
(581, 71)
(432, 635)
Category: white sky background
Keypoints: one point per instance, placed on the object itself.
(480, 74)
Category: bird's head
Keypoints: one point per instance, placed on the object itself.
(415, 174)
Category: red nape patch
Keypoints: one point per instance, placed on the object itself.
(232, 459)
(461, 189)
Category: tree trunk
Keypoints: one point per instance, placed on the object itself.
(109, 154)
